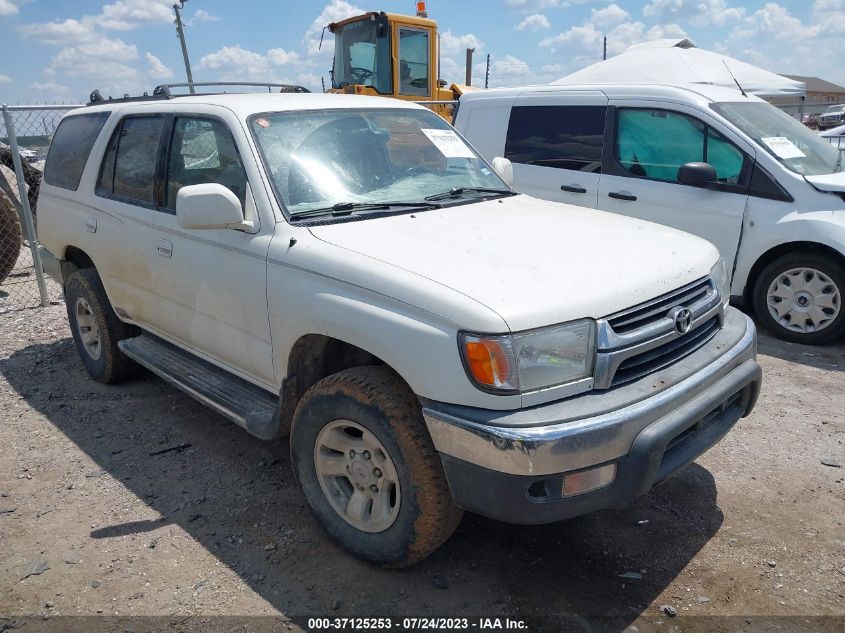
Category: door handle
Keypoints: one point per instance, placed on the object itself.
(164, 248)
(573, 189)
(622, 196)
(91, 224)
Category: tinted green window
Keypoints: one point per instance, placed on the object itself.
(71, 147)
(655, 143)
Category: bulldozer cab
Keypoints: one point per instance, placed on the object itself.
(389, 55)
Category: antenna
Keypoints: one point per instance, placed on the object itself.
(734, 78)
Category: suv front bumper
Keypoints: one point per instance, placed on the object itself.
(513, 465)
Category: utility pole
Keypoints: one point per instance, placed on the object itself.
(470, 51)
(604, 53)
(487, 73)
(181, 32)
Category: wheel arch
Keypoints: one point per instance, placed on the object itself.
(312, 358)
(73, 259)
(779, 251)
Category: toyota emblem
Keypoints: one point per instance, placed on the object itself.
(682, 318)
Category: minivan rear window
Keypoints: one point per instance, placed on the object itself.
(70, 148)
(564, 137)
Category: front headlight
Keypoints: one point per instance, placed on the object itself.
(529, 361)
(719, 274)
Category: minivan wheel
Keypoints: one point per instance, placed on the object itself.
(368, 469)
(799, 297)
(96, 329)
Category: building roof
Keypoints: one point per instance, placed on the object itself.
(815, 84)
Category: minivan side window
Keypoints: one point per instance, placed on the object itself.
(655, 143)
(129, 167)
(70, 148)
(203, 151)
(564, 137)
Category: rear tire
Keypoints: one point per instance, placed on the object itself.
(379, 446)
(96, 329)
(800, 297)
(10, 236)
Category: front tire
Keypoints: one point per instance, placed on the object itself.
(800, 297)
(368, 468)
(96, 329)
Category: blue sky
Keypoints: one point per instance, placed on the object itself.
(59, 51)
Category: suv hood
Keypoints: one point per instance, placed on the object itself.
(834, 183)
(533, 262)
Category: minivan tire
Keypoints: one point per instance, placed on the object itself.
(821, 271)
(96, 329)
(375, 402)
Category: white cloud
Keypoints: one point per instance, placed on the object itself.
(611, 14)
(7, 7)
(124, 15)
(204, 16)
(584, 43)
(698, 12)
(56, 90)
(62, 33)
(451, 44)
(5, 79)
(773, 38)
(533, 5)
(157, 70)
(233, 63)
(534, 22)
(335, 11)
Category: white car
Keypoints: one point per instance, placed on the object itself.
(347, 271)
(834, 116)
(768, 192)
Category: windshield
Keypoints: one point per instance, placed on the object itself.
(791, 143)
(362, 56)
(318, 159)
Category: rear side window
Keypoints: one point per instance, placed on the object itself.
(70, 148)
(564, 137)
(129, 166)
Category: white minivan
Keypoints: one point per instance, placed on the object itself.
(763, 188)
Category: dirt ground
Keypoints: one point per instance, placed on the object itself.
(118, 525)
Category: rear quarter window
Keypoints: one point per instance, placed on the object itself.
(71, 147)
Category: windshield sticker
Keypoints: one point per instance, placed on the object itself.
(262, 122)
(783, 147)
(449, 143)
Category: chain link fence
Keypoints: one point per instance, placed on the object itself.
(25, 135)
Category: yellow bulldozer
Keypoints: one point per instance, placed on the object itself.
(392, 55)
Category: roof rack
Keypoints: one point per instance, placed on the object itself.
(164, 91)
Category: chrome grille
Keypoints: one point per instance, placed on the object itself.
(644, 314)
(643, 339)
(637, 366)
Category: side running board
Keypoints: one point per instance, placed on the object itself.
(240, 401)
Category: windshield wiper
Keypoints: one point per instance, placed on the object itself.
(347, 208)
(457, 192)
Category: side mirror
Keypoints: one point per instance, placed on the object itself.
(504, 168)
(209, 206)
(697, 175)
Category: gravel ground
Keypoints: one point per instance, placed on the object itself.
(135, 500)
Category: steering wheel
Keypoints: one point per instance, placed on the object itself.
(361, 74)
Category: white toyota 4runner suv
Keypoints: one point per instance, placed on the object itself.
(347, 271)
